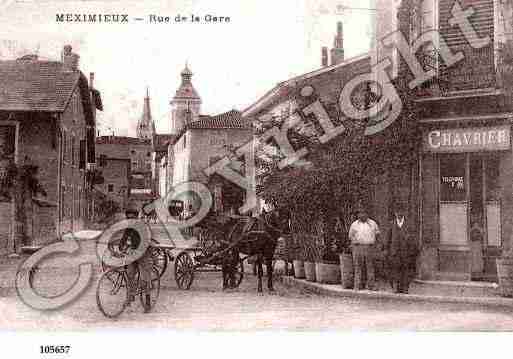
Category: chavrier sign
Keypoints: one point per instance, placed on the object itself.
(468, 139)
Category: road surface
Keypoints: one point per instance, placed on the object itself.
(206, 307)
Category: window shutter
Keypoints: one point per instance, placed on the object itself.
(82, 158)
(90, 144)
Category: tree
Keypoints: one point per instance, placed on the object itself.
(335, 176)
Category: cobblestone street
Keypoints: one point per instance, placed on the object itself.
(206, 307)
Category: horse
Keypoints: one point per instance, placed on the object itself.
(252, 236)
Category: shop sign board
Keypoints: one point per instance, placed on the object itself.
(494, 138)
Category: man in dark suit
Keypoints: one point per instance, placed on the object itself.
(401, 252)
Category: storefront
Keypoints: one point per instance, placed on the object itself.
(465, 205)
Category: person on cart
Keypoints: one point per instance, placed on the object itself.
(132, 240)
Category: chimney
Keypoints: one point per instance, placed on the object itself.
(69, 59)
(324, 56)
(337, 52)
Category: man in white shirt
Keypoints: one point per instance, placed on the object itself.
(363, 234)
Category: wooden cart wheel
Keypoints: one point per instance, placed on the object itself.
(184, 270)
(239, 273)
(160, 260)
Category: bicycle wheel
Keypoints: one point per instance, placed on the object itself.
(160, 260)
(154, 290)
(112, 292)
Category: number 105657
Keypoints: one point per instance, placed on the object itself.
(54, 349)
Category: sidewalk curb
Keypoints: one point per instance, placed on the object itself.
(338, 291)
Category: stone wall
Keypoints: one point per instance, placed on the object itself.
(116, 180)
(208, 146)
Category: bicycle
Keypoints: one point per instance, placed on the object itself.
(116, 296)
(116, 289)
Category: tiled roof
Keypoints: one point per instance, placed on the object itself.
(227, 120)
(35, 85)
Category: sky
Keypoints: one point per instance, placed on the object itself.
(234, 63)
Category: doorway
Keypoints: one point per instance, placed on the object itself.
(470, 211)
(7, 158)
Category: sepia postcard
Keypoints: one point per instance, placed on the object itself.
(293, 166)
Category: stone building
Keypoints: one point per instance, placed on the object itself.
(465, 156)
(456, 176)
(202, 143)
(47, 120)
(197, 141)
(126, 165)
(162, 163)
(379, 176)
(130, 165)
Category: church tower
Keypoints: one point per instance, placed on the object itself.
(146, 126)
(186, 104)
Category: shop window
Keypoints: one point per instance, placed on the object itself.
(452, 178)
(453, 200)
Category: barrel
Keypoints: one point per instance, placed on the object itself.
(310, 271)
(327, 273)
(299, 268)
(505, 274)
(346, 270)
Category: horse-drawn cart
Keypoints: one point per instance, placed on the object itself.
(207, 253)
(216, 246)
(189, 261)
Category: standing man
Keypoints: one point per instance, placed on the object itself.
(132, 240)
(402, 251)
(363, 234)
